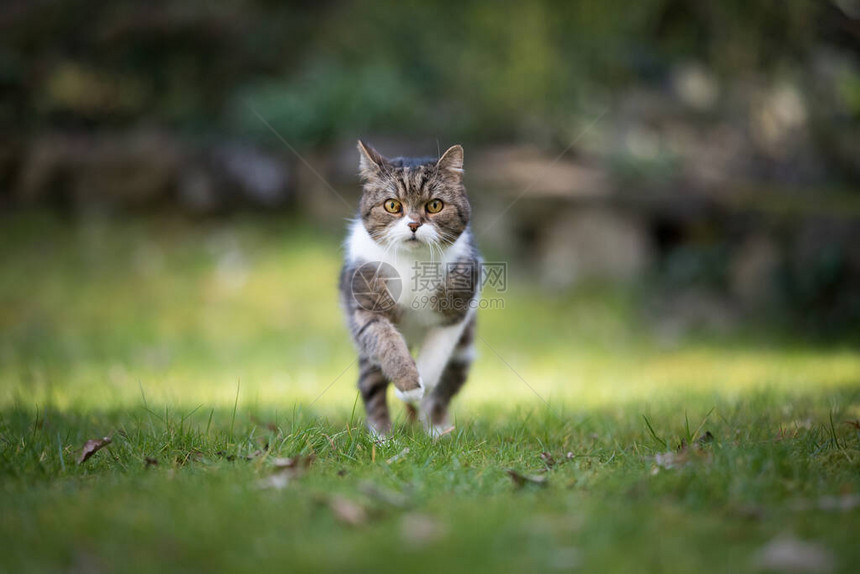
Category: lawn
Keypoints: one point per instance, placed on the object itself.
(210, 352)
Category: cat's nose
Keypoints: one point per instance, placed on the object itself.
(414, 225)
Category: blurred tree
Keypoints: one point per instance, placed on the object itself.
(471, 69)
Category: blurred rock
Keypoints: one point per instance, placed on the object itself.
(695, 86)
(133, 170)
(524, 169)
(149, 169)
(593, 243)
(711, 157)
(197, 190)
(826, 242)
(259, 177)
(234, 175)
(753, 270)
(693, 310)
(835, 95)
(778, 118)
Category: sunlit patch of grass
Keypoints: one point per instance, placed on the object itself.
(151, 331)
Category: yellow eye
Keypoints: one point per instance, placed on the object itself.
(434, 206)
(392, 206)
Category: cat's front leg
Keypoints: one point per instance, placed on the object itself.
(446, 358)
(436, 351)
(372, 385)
(378, 339)
(433, 358)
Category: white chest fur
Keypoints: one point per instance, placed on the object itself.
(418, 268)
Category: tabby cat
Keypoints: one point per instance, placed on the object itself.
(411, 281)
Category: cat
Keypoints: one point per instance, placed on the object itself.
(411, 280)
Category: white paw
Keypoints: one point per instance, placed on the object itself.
(436, 431)
(411, 396)
(378, 436)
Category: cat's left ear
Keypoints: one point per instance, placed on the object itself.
(452, 160)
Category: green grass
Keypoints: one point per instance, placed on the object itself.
(208, 347)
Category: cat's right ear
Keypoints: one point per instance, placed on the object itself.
(371, 163)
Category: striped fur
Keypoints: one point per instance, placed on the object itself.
(386, 324)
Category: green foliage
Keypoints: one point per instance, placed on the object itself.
(469, 69)
(326, 101)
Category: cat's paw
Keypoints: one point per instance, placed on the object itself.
(411, 396)
(379, 431)
(438, 431)
(381, 437)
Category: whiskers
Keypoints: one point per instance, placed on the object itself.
(432, 243)
(435, 246)
(446, 236)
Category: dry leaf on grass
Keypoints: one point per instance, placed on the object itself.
(547, 459)
(297, 463)
(788, 554)
(347, 511)
(520, 480)
(384, 495)
(276, 481)
(420, 529)
(192, 455)
(285, 470)
(700, 442)
(256, 454)
(705, 438)
(91, 447)
(684, 454)
(670, 459)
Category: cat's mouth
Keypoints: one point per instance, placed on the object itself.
(412, 241)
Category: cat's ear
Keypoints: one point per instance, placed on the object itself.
(371, 162)
(452, 160)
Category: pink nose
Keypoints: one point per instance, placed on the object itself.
(414, 225)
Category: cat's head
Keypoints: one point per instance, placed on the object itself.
(413, 201)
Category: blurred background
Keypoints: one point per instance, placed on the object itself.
(172, 173)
